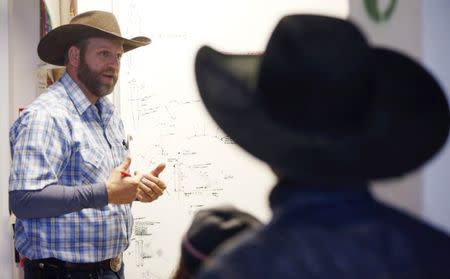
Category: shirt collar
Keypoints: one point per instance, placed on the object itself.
(81, 102)
(106, 108)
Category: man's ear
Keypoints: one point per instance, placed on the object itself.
(74, 56)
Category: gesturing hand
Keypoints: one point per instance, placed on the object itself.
(120, 189)
(151, 186)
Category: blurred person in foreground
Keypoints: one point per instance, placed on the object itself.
(211, 230)
(329, 113)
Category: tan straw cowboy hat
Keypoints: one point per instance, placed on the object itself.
(51, 48)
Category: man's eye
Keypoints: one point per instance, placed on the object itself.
(104, 53)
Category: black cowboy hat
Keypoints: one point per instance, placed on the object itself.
(51, 48)
(322, 102)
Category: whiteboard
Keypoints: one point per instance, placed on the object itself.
(162, 111)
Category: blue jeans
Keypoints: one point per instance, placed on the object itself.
(32, 272)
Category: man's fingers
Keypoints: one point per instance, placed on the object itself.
(158, 169)
(152, 186)
(144, 196)
(157, 182)
(139, 196)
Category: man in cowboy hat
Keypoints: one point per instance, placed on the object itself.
(67, 183)
(329, 113)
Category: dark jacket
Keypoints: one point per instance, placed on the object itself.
(320, 234)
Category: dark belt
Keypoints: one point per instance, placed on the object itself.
(52, 263)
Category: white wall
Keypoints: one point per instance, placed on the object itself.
(436, 56)
(6, 248)
(24, 38)
(402, 32)
(23, 29)
(420, 29)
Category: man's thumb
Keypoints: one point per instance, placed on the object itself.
(158, 169)
(125, 165)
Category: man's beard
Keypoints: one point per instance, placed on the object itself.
(91, 79)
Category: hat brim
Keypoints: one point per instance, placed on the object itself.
(52, 47)
(407, 124)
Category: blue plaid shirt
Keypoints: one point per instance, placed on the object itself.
(61, 139)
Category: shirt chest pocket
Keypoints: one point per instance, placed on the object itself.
(93, 165)
(119, 152)
(117, 144)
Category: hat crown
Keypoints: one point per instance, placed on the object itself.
(98, 19)
(314, 72)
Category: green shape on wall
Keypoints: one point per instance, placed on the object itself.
(374, 11)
